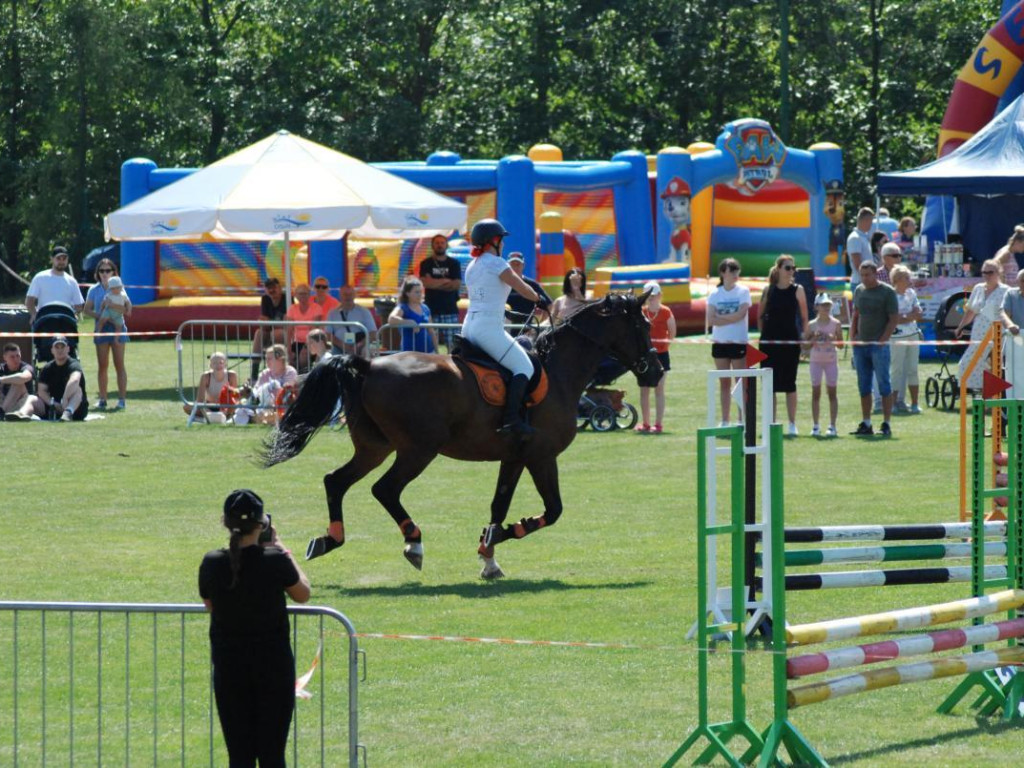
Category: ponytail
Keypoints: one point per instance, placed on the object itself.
(476, 251)
(235, 556)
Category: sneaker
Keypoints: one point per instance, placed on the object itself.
(901, 408)
(723, 424)
(832, 432)
(642, 429)
(101, 405)
(14, 416)
(815, 431)
(792, 431)
(656, 429)
(915, 409)
(863, 429)
(119, 406)
(886, 429)
(66, 416)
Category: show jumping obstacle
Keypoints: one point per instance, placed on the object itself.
(995, 591)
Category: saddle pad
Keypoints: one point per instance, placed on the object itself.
(492, 386)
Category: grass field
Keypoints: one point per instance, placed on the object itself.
(123, 510)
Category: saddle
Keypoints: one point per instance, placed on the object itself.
(492, 378)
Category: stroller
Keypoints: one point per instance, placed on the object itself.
(944, 386)
(53, 319)
(604, 409)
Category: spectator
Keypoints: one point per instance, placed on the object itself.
(891, 255)
(1011, 255)
(409, 314)
(825, 334)
(303, 310)
(663, 330)
(273, 308)
(858, 244)
(1012, 318)
(244, 588)
(905, 356)
(322, 295)
(905, 240)
(521, 308)
(349, 340)
(573, 298)
(62, 385)
(875, 315)
(54, 286)
(17, 400)
(113, 328)
(319, 344)
(442, 278)
(983, 308)
(210, 393)
(878, 239)
(273, 383)
(728, 310)
(782, 316)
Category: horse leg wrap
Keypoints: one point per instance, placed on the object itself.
(336, 530)
(526, 526)
(410, 531)
(490, 536)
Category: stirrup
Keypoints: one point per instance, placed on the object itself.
(519, 427)
(321, 545)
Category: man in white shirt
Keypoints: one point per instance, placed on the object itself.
(54, 286)
(858, 245)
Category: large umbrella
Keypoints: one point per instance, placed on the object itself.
(286, 187)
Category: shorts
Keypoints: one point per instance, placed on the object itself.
(109, 329)
(872, 361)
(722, 351)
(664, 360)
(830, 370)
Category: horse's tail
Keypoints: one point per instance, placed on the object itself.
(317, 403)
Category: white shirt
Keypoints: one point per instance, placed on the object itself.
(484, 286)
(906, 302)
(49, 288)
(857, 242)
(725, 303)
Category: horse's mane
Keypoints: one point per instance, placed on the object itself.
(614, 303)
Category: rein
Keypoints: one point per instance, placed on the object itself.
(639, 368)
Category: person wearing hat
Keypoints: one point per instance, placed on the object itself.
(62, 385)
(824, 336)
(442, 278)
(108, 303)
(663, 330)
(243, 587)
(521, 307)
(53, 286)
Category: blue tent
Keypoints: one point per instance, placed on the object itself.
(985, 175)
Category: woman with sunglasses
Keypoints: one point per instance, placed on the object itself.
(728, 307)
(782, 316)
(111, 339)
(982, 310)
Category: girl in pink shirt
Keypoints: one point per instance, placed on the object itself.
(825, 335)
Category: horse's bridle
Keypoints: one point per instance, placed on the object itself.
(642, 364)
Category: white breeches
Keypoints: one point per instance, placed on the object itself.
(485, 329)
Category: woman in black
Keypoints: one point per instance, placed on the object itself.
(782, 316)
(244, 589)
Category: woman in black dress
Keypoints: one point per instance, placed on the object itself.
(244, 589)
(782, 317)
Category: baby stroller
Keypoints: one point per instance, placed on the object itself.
(604, 409)
(944, 386)
(54, 319)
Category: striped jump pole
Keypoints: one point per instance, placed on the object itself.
(888, 650)
(910, 618)
(890, 578)
(909, 673)
(927, 532)
(889, 554)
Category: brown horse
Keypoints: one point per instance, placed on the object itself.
(417, 406)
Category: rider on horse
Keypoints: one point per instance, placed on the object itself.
(489, 280)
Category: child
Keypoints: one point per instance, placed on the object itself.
(114, 306)
(824, 334)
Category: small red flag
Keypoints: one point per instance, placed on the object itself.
(991, 387)
(754, 356)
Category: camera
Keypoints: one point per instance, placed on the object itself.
(267, 534)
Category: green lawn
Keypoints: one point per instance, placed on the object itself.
(123, 510)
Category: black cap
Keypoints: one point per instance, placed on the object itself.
(243, 505)
(59, 340)
(59, 250)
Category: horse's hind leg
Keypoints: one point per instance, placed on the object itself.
(508, 479)
(336, 484)
(388, 491)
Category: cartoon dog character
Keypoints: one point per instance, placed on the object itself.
(675, 204)
(835, 211)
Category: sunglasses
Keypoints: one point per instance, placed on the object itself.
(320, 287)
(789, 267)
(988, 271)
(729, 268)
(104, 271)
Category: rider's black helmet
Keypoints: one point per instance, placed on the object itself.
(486, 231)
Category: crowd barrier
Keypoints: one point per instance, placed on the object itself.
(131, 684)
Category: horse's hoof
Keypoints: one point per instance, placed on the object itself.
(321, 545)
(414, 554)
(491, 570)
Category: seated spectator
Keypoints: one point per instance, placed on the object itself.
(322, 294)
(409, 314)
(347, 339)
(210, 393)
(269, 391)
(307, 311)
(319, 345)
(62, 385)
(273, 307)
(17, 384)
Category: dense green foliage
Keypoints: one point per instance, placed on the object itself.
(86, 84)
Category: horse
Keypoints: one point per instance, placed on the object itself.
(419, 405)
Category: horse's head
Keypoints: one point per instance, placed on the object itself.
(617, 323)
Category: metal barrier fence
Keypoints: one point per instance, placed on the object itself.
(109, 690)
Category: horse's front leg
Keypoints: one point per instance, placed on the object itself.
(388, 491)
(545, 479)
(508, 479)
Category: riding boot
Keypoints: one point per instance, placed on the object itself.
(513, 421)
